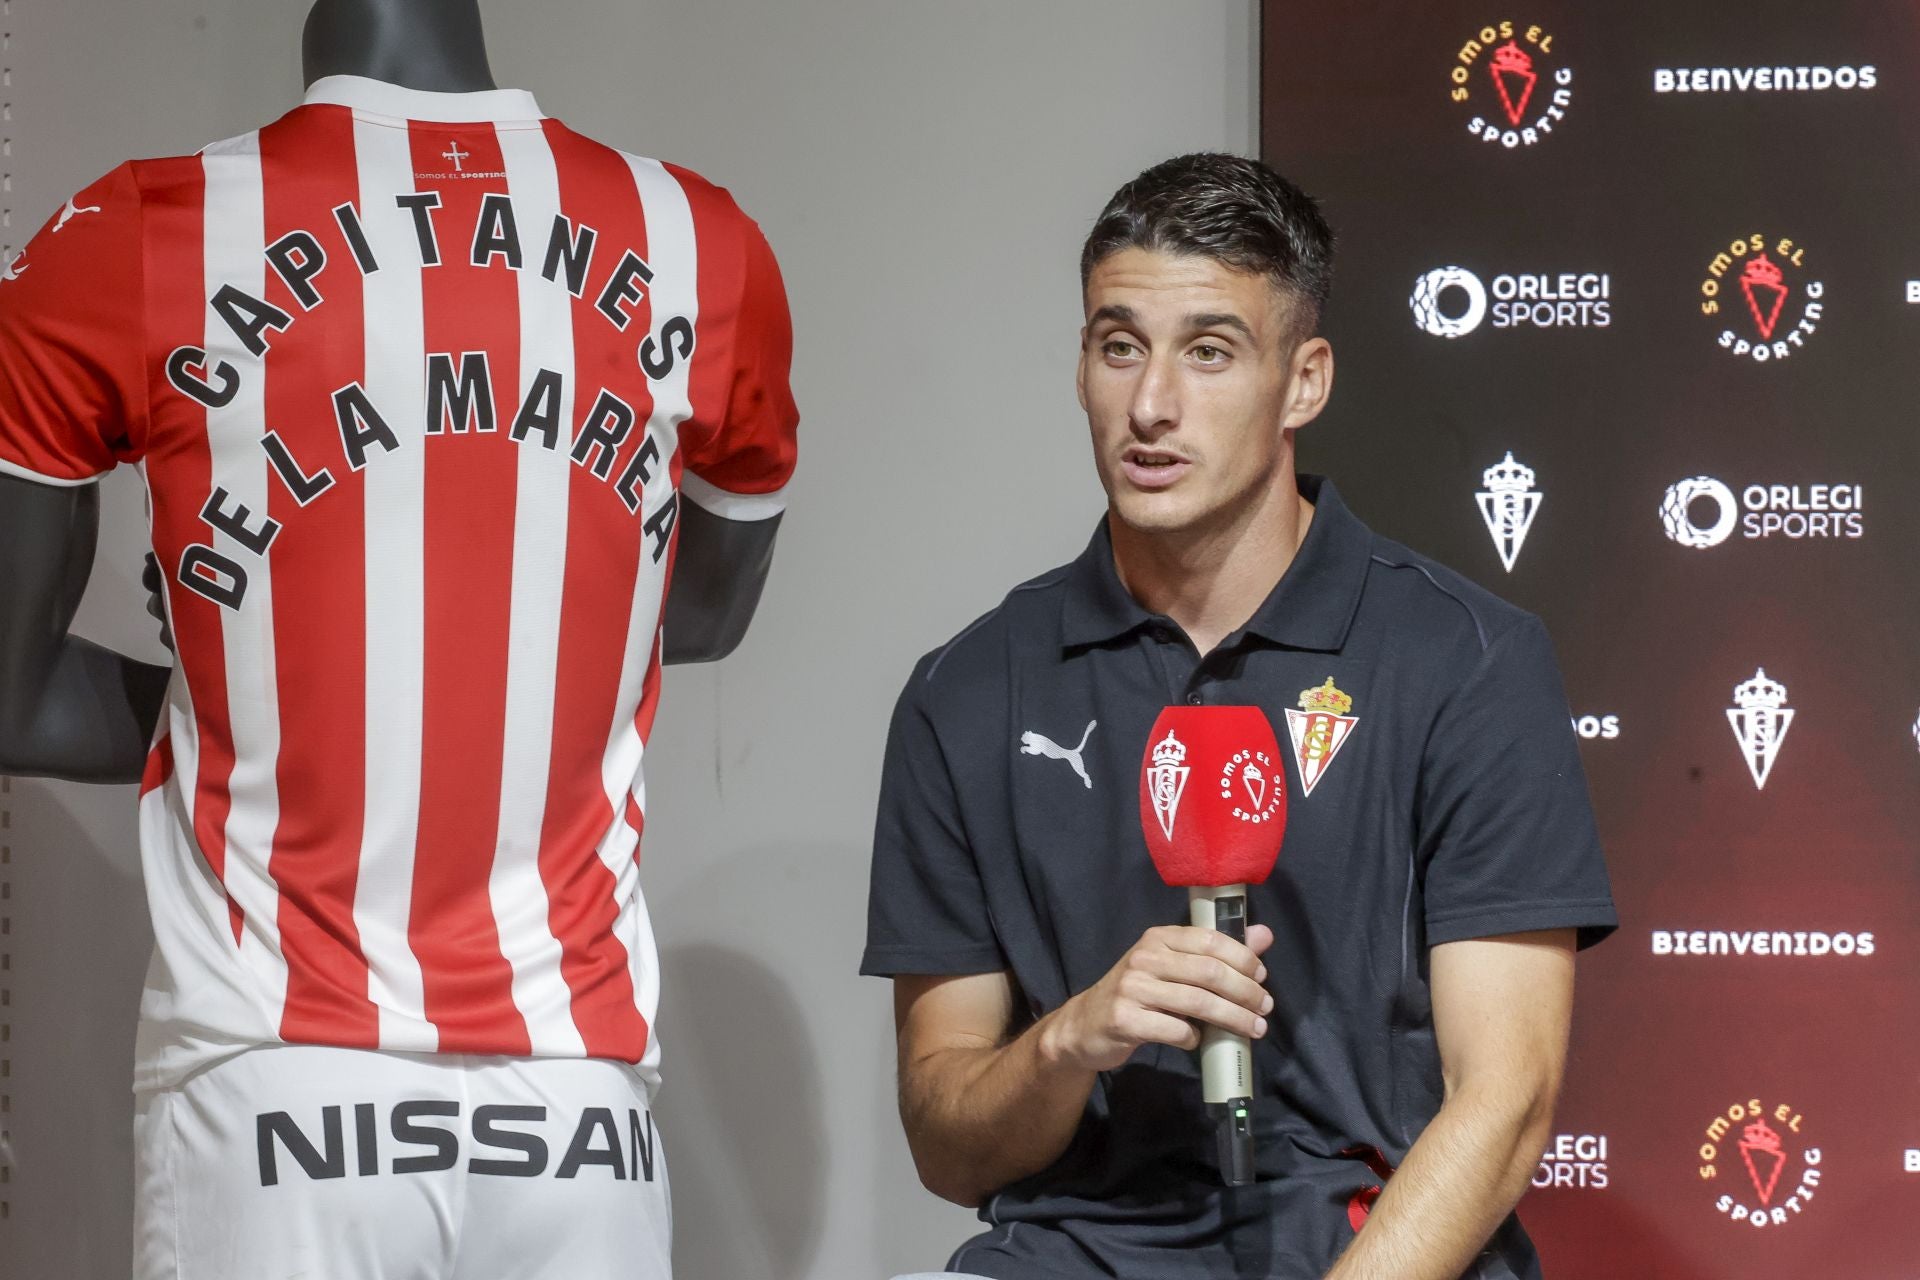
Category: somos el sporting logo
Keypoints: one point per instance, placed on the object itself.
(1757, 290)
(1763, 1165)
(1513, 83)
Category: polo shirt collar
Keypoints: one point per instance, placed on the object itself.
(377, 97)
(1311, 607)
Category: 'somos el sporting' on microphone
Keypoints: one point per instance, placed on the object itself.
(1213, 804)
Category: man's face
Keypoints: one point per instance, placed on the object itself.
(1188, 376)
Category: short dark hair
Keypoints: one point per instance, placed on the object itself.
(1236, 211)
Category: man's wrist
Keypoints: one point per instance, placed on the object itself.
(1053, 1046)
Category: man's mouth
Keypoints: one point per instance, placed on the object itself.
(1153, 468)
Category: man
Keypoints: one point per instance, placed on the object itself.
(1409, 984)
(420, 382)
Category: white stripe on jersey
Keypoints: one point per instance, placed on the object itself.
(519, 895)
(235, 244)
(395, 489)
(732, 506)
(670, 239)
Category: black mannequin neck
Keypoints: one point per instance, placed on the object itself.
(432, 45)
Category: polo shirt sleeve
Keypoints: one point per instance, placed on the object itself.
(927, 908)
(72, 369)
(1508, 842)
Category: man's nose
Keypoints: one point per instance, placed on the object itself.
(1155, 407)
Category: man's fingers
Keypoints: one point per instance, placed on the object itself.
(1214, 974)
(1150, 1026)
(1201, 1005)
(1208, 942)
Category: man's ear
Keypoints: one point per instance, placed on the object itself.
(1080, 371)
(1309, 383)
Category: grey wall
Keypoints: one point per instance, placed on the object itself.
(925, 171)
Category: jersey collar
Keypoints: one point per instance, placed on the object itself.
(1311, 607)
(377, 97)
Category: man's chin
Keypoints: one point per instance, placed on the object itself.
(1152, 513)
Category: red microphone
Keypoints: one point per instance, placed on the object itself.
(1213, 804)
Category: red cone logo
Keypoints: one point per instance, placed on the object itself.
(1758, 291)
(1513, 78)
(1766, 290)
(1760, 1149)
(1757, 1156)
(1514, 86)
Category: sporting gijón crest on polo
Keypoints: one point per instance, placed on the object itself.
(1319, 728)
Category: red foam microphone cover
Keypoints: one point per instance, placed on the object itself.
(1213, 795)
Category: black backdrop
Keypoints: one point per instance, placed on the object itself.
(1668, 164)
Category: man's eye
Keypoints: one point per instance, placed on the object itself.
(1207, 353)
(1120, 350)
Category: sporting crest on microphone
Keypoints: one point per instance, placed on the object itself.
(1319, 729)
(1167, 779)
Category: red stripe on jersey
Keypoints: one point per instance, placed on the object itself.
(319, 592)
(159, 767)
(471, 473)
(179, 467)
(604, 545)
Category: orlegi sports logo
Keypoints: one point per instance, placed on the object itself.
(1762, 944)
(1769, 79)
(1703, 512)
(1759, 1159)
(1758, 292)
(1575, 1161)
(1514, 85)
(1451, 301)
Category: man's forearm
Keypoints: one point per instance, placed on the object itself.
(91, 720)
(1458, 1183)
(980, 1118)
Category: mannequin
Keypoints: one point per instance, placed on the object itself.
(72, 709)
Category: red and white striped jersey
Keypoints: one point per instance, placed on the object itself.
(417, 383)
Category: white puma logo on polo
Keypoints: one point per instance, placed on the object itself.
(69, 213)
(1039, 744)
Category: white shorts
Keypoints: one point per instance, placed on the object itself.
(298, 1163)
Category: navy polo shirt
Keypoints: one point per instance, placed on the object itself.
(1441, 798)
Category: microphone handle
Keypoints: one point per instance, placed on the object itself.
(1226, 1060)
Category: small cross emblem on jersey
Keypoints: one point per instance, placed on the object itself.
(455, 154)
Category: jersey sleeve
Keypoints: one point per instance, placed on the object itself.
(72, 364)
(1508, 839)
(740, 469)
(927, 908)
